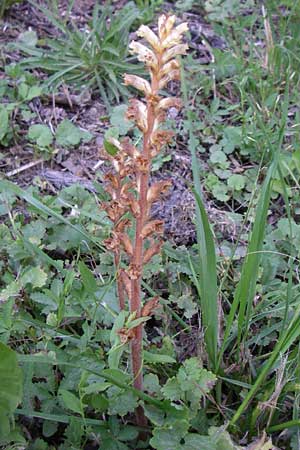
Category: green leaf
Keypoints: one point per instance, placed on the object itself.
(185, 302)
(11, 290)
(71, 401)
(99, 402)
(117, 376)
(169, 437)
(41, 134)
(193, 441)
(35, 276)
(218, 157)
(94, 388)
(43, 299)
(156, 358)
(68, 135)
(191, 375)
(34, 231)
(111, 149)
(28, 38)
(236, 182)
(172, 389)
(206, 282)
(121, 402)
(151, 383)
(222, 440)
(11, 382)
(23, 89)
(3, 121)
(88, 278)
(119, 121)
(219, 191)
(154, 414)
(33, 92)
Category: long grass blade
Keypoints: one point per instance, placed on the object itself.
(45, 210)
(206, 271)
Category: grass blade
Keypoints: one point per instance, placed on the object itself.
(45, 210)
(206, 281)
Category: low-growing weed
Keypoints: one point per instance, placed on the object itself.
(5, 4)
(93, 58)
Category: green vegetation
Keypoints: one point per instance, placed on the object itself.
(221, 350)
(96, 57)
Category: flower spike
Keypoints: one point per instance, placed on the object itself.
(132, 193)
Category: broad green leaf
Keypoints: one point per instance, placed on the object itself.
(119, 121)
(151, 383)
(11, 290)
(172, 389)
(33, 91)
(156, 358)
(71, 401)
(3, 121)
(68, 135)
(28, 38)
(120, 401)
(169, 437)
(192, 374)
(236, 182)
(88, 278)
(99, 402)
(43, 299)
(112, 132)
(218, 157)
(154, 414)
(97, 387)
(193, 441)
(34, 231)
(221, 439)
(116, 375)
(41, 134)
(35, 276)
(11, 383)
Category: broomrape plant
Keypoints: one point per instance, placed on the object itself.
(128, 183)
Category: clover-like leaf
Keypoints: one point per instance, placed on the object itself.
(41, 134)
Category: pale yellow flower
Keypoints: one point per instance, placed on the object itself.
(172, 52)
(174, 38)
(172, 75)
(144, 54)
(150, 36)
(165, 25)
(139, 83)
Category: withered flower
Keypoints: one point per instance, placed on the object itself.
(112, 243)
(157, 189)
(134, 271)
(122, 225)
(138, 111)
(126, 334)
(152, 227)
(148, 308)
(141, 164)
(125, 241)
(153, 250)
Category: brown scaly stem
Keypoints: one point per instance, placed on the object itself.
(137, 260)
(120, 287)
